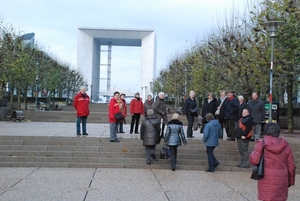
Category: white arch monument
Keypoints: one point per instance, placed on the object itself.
(89, 45)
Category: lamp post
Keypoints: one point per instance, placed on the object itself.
(36, 85)
(185, 82)
(272, 28)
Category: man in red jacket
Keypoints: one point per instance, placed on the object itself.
(136, 110)
(81, 104)
(115, 106)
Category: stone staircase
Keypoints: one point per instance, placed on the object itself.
(90, 152)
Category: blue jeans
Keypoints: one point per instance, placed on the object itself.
(83, 121)
(120, 127)
(113, 126)
(212, 161)
(173, 151)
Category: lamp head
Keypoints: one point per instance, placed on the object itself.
(272, 27)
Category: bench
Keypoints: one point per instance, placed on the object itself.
(17, 115)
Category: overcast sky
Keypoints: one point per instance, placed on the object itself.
(178, 24)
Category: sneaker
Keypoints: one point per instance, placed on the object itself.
(243, 166)
(116, 140)
(85, 134)
(136, 133)
(153, 156)
(78, 133)
(209, 170)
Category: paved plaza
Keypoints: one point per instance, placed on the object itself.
(89, 184)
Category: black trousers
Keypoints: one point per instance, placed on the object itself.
(173, 156)
(135, 118)
(230, 128)
(222, 121)
(162, 130)
(189, 131)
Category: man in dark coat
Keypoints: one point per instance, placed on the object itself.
(150, 129)
(257, 110)
(231, 115)
(160, 111)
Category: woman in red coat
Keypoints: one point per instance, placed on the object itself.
(279, 165)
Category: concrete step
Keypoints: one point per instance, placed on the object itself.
(91, 152)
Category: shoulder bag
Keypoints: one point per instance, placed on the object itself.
(217, 113)
(258, 170)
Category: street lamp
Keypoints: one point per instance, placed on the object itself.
(272, 28)
(36, 85)
(185, 82)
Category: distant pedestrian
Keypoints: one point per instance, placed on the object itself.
(148, 104)
(173, 138)
(212, 132)
(279, 165)
(136, 110)
(191, 112)
(115, 106)
(81, 104)
(231, 115)
(124, 113)
(242, 105)
(160, 111)
(149, 133)
(257, 110)
(210, 106)
(243, 135)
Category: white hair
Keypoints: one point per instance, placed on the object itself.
(241, 97)
(83, 87)
(192, 92)
(161, 93)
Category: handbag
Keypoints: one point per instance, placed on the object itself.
(258, 170)
(217, 112)
(119, 116)
(194, 110)
(164, 152)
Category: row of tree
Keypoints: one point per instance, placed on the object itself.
(236, 55)
(23, 68)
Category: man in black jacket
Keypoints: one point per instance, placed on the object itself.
(231, 115)
(257, 110)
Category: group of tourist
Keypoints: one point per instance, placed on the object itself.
(242, 121)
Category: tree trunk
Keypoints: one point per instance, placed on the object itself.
(11, 99)
(289, 89)
(19, 97)
(25, 98)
